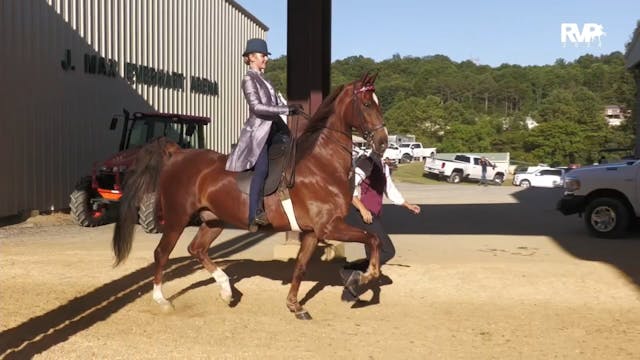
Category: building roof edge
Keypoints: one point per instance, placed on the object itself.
(248, 14)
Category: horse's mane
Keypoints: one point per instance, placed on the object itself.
(307, 140)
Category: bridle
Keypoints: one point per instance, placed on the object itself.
(367, 135)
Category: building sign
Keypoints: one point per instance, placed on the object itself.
(141, 74)
(98, 65)
(203, 86)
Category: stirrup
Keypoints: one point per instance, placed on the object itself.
(261, 218)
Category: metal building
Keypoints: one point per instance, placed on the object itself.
(67, 66)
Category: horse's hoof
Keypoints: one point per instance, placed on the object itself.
(167, 306)
(226, 297)
(303, 315)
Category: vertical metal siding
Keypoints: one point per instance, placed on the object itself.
(56, 122)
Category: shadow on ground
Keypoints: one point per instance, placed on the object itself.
(534, 213)
(40, 333)
(56, 326)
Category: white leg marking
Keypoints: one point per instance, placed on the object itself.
(158, 296)
(225, 286)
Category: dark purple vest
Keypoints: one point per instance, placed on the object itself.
(372, 188)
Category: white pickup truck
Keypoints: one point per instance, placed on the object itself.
(607, 195)
(414, 150)
(392, 153)
(463, 166)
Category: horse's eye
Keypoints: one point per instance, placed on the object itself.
(367, 104)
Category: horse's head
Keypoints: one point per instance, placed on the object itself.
(364, 115)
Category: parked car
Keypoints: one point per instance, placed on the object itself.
(606, 194)
(542, 177)
(392, 153)
(463, 166)
(410, 151)
(521, 169)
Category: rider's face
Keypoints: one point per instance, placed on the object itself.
(259, 61)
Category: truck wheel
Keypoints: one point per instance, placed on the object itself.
(407, 158)
(455, 178)
(498, 178)
(83, 212)
(607, 217)
(525, 183)
(147, 214)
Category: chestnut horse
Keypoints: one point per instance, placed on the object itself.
(195, 183)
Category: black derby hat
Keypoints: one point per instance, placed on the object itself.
(256, 46)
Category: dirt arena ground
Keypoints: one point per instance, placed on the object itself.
(483, 273)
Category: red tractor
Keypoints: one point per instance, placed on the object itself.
(95, 199)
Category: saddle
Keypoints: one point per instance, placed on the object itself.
(278, 159)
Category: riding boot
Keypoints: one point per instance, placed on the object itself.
(257, 216)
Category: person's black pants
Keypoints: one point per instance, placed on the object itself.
(387, 250)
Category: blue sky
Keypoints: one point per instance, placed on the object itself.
(488, 32)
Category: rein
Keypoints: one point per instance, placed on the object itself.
(366, 134)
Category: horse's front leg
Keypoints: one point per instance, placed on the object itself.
(308, 242)
(339, 230)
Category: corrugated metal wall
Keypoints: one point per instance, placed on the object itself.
(54, 122)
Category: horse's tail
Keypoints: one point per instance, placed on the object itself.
(141, 179)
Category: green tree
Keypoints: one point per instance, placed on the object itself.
(277, 73)
(557, 142)
(422, 117)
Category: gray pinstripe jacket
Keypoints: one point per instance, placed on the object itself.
(264, 112)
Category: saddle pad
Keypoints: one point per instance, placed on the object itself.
(278, 154)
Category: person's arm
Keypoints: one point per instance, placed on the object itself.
(364, 212)
(250, 90)
(394, 194)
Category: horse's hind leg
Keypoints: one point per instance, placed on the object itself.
(161, 255)
(209, 231)
(308, 242)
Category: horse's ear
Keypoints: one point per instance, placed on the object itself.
(372, 79)
(364, 78)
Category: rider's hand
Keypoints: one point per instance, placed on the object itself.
(295, 109)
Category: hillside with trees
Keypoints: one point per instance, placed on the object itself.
(463, 106)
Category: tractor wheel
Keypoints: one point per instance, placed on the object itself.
(83, 212)
(147, 216)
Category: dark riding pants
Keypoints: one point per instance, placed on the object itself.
(256, 191)
(387, 250)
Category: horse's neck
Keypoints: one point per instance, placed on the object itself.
(333, 146)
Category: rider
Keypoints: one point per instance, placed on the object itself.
(262, 128)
